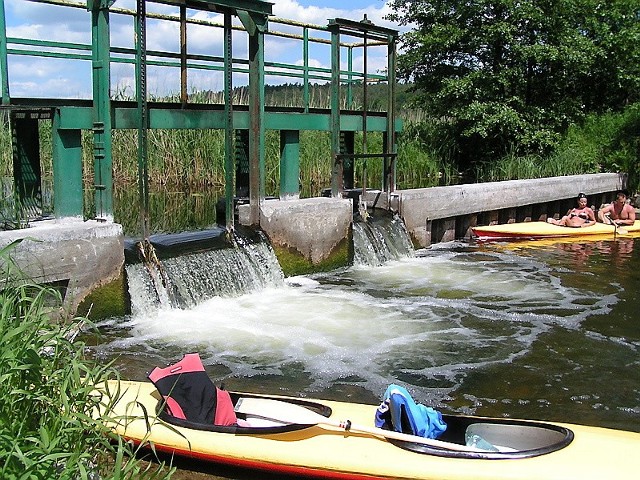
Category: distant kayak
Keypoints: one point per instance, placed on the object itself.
(532, 230)
(329, 439)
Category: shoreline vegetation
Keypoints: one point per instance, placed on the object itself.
(46, 393)
(607, 142)
(187, 166)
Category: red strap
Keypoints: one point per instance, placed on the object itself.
(225, 415)
(173, 408)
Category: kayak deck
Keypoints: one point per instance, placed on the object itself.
(327, 452)
(532, 230)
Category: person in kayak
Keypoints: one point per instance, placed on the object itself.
(578, 217)
(618, 212)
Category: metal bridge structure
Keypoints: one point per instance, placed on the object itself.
(244, 125)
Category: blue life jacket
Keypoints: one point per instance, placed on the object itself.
(399, 412)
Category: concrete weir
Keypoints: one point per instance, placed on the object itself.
(74, 255)
(311, 234)
(307, 235)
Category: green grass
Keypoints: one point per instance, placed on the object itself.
(46, 427)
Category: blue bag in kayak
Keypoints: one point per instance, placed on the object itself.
(399, 412)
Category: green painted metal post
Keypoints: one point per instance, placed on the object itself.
(143, 116)
(256, 116)
(289, 163)
(228, 122)
(350, 77)
(390, 134)
(102, 123)
(67, 170)
(336, 168)
(184, 96)
(305, 57)
(4, 65)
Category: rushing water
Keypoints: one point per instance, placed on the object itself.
(536, 330)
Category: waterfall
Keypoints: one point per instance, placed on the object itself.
(379, 240)
(183, 280)
(197, 276)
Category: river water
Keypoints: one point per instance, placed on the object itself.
(540, 330)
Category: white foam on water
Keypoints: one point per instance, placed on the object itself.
(437, 315)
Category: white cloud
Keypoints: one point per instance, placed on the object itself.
(48, 78)
(292, 10)
(57, 78)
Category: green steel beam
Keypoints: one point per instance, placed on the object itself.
(221, 6)
(336, 164)
(229, 158)
(256, 117)
(143, 116)
(359, 29)
(126, 118)
(184, 96)
(350, 77)
(305, 73)
(390, 136)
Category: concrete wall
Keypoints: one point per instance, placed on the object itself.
(80, 255)
(434, 214)
(313, 229)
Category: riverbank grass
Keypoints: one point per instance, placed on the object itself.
(46, 426)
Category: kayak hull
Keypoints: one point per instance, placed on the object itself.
(533, 230)
(321, 451)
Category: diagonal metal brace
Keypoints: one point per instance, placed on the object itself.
(253, 22)
(99, 4)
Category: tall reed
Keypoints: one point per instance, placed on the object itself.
(6, 159)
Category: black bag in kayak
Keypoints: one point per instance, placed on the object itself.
(190, 394)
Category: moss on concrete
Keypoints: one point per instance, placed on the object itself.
(108, 300)
(294, 263)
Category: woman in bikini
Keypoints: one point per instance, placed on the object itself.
(581, 216)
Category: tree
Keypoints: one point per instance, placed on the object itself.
(512, 75)
(614, 28)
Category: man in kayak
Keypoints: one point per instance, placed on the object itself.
(578, 217)
(618, 212)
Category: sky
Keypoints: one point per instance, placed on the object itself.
(57, 78)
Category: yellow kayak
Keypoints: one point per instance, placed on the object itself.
(532, 230)
(337, 440)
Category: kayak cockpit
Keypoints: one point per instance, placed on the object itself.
(247, 424)
(496, 439)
